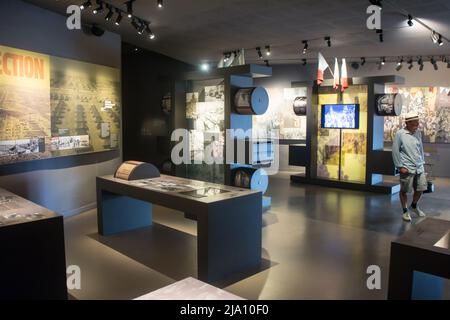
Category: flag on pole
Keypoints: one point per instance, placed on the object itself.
(323, 65)
(336, 74)
(344, 76)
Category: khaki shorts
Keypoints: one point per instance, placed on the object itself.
(410, 182)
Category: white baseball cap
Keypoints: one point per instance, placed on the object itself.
(411, 116)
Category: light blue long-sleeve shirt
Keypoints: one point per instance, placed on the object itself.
(407, 151)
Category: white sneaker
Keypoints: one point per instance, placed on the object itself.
(406, 217)
(417, 211)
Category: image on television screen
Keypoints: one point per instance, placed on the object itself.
(340, 116)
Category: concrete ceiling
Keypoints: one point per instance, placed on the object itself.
(201, 30)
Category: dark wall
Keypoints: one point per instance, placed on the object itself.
(146, 78)
(67, 184)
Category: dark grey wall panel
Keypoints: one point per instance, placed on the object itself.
(67, 184)
(146, 78)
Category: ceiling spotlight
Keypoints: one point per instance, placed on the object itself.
(129, 5)
(410, 20)
(160, 3)
(420, 61)
(383, 61)
(434, 63)
(151, 35)
(267, 63)
(258, 50)
(380, 34)
(328, 40)
(305, 46)
(267, 50)
(141, 28)
(99, 8)
(434, 37)
(363, 61)
(399, 65)
(439, 41)
(376, 3)
(410, 62)
(304, 62)
(135, 24)
(119, 18)
(110, 14)
(204, 67)
(85, 5)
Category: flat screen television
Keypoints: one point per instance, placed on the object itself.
(340, 116)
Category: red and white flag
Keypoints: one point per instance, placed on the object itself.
(323, 65)
(344, 76)
(336, 75)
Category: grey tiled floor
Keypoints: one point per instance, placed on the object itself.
(320, 242)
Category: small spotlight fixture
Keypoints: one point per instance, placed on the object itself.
(258, 50)
(363, 61)
(110, 14)
(99, 8)
(147, 29)
(383, 61)
(439, 41)
(129, 5)
(399, 64)
(434, 37)
(160, 4)
(410, 62)
(434, 63)
(267, 50)
(304, 62)
(86, 4)
(135, 24)
(141, 28)
(410, 20)
(305, 46)
(119, 18)
(328, 40)
(204, 67)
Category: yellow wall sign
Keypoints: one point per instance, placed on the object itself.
(50, 106)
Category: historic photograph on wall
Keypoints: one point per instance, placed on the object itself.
(281, 115)
(85, 102)
(53, 107)
(433, 106)
(24, 105)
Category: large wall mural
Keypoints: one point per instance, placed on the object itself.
(433, 106)
(52, 107)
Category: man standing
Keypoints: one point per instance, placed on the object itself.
(407, 153)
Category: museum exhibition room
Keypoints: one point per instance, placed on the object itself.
(245, 150)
